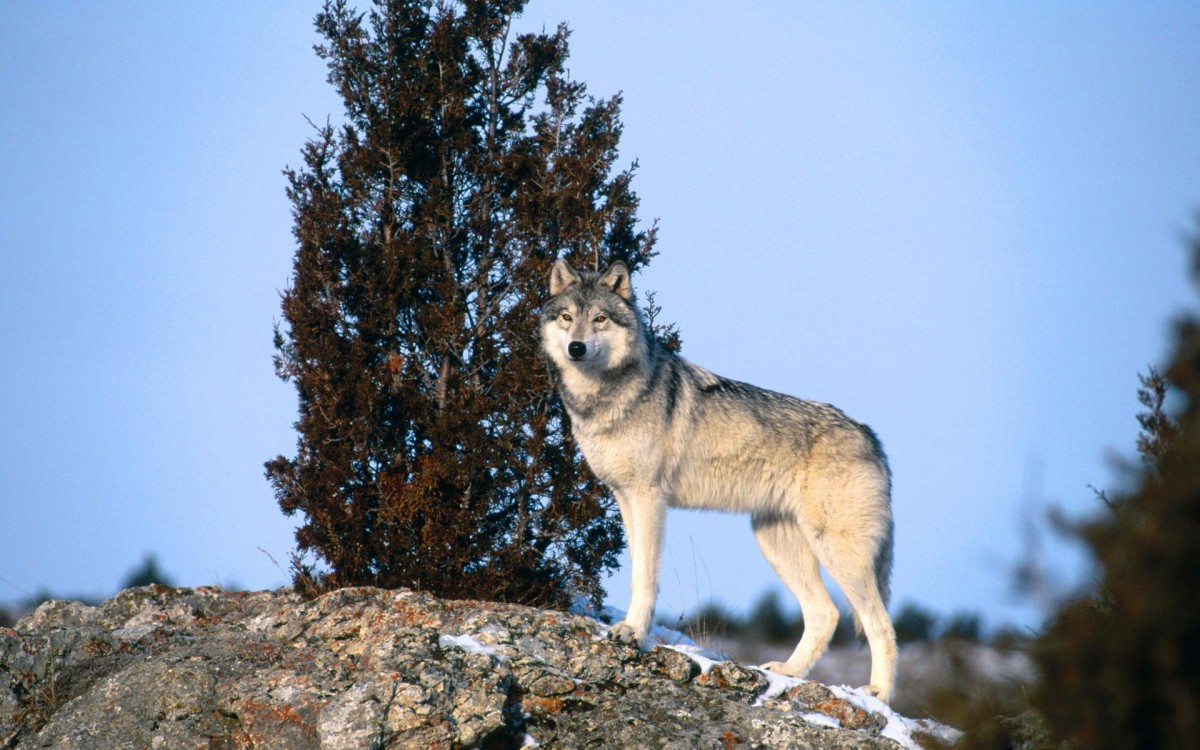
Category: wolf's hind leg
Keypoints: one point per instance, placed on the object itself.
(784, 545)
(850, 559)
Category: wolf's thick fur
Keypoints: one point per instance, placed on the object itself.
(660, 431)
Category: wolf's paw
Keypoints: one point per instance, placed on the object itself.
(877, 692)
(783, 668)
(625, 633)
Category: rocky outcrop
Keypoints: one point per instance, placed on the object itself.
(159, 667)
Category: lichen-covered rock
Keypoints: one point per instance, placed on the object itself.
(159, 667)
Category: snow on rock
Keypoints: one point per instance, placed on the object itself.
(894, 727)
(777, 685)
(468, 644)
(898, 728)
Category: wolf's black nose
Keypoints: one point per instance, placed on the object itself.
(577, 349)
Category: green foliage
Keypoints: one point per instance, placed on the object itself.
(1158, 429)
(1120, 669)
(432, 451)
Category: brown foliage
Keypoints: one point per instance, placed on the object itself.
(432, 452)
(1121, 669)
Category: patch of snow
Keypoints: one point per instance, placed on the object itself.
(661, 635)
(777, 685)
(898, 727)
(468, 644)
(946, 734)
(997, 665)
(821, 720)
(706, 658)
(610, 614)
(605, 618)
(529, 741)
(581, 605)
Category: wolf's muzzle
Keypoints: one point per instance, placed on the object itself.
(576, 349)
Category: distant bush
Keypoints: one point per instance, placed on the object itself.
(146, 574)
(914, 623)
(964, 626)
(768, 621)
(711, 620)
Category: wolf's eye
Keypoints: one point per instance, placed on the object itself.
(566, 317)
(601, 318)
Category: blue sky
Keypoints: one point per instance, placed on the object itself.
(963, 224)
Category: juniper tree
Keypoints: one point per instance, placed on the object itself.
(1119, 670)
(432, 452)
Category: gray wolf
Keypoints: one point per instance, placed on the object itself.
(662, 432)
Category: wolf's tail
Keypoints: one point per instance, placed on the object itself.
(883, 563)
(883, 571)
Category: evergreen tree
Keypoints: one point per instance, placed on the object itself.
(1120, 670)
(432, 452)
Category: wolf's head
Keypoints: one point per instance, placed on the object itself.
(590, 323)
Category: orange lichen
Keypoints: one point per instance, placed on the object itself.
(261, 724)
(849, 715)
(549, 704)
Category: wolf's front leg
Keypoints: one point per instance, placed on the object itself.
(644, 514)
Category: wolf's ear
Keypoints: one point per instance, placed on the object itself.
(616, 278)
(561, 277)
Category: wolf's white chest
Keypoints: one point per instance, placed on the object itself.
(620, 458)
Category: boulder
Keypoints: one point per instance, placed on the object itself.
(160, 667)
